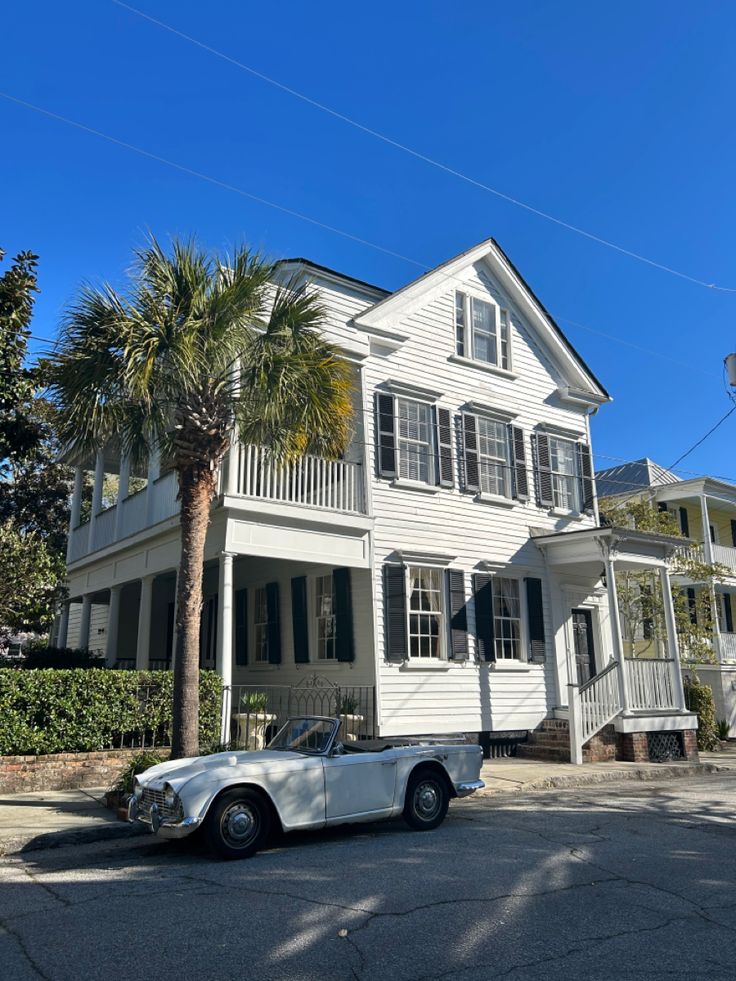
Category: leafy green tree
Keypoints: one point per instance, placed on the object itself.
(31, 584)
(197, 346)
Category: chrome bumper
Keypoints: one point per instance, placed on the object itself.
(469, 787)
(164, 827)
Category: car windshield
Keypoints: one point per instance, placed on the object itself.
(306, 735)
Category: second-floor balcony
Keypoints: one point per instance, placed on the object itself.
(312, 483)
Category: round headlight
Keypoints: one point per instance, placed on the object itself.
(169, 795)
(137, 789)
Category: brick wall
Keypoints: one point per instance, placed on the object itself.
(632, 747)
(64, 771)
(602, 747)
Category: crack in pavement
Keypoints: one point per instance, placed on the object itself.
(24, 950)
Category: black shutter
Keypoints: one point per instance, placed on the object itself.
(483, 602)
(647, 606)
(733, 532)
(691, 605)
(470, 452)
(455, 580)
(661, 506)
(535, 618)
(299, 622)
(274, 623)
(728, 612)
(344, 641)
(241, 627)
(518, 458)
(386, 434)
(443, 429)
(585, 476)
(394, 612)
(542, 471)
(684, 522)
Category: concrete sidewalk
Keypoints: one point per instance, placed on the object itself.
(51, 819)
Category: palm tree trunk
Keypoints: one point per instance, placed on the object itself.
(196, 490)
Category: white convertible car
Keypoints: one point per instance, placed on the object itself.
(305, 778)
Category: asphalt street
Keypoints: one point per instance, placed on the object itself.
(618, 882)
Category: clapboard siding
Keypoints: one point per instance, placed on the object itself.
(467, 695)
(97, 626)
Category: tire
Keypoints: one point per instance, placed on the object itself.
(427, 800)
(238, 823)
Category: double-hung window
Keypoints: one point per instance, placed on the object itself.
(324, 592)
(260, 626)
(415, 440)
(493, 457)
(481, 331)
(507, 618)
(563, 467)
(426, 613)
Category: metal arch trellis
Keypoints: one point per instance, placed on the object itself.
(314, 695)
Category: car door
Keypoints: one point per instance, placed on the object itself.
(359, 783)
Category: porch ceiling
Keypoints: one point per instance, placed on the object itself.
(628, 548)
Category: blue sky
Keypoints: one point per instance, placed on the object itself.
(618, 119)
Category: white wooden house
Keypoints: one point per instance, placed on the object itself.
(705, 509)
(447, 575)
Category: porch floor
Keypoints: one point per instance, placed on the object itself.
(508, 775)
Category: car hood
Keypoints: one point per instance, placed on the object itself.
(178, 772)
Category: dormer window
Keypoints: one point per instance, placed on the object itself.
(481, 331)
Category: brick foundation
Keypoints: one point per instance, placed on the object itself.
(64, 771)
(632, 747)
(602, 747)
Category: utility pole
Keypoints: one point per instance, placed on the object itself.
(730, 363)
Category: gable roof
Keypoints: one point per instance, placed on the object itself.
(332, 273)
(383, 315)
(632, 476)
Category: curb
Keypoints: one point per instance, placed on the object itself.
(60, 839)
(639, 775)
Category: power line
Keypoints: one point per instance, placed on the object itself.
(703, 438)
(182, 168)
(421, 156)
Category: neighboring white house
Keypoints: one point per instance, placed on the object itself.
(705, 509)
(448, 574)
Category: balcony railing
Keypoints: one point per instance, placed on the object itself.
(725, 555)
(310, 481)
(650, 683)
(728, 646)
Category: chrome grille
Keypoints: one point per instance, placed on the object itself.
(158, 797)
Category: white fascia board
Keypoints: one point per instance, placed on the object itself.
(389, 311)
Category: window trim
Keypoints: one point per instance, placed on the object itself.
(410, 482)
(506, 463)
(442, 657)
(258, 662)
(501, 325)
(575, 476)
(314, 620)
(523, 620)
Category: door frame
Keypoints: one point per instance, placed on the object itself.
(592, 642)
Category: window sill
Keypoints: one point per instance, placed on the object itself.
(425, 664)
(509, 666)
(258, 667)
(504, 502)
(483, 366)
(562, 513)
(415, 485)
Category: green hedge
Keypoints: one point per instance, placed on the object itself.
(81, 710)
(699, 699)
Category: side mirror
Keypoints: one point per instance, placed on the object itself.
(338, 749)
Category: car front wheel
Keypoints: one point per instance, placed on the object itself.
(238, 823)
(427, 800)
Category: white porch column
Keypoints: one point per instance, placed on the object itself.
(63, 631)
(154, 471)
(113, 623)
(616, 638)
(123, 485)
(76, 508)
(673, 650)
(96, 496)
(224, 654)
(142, 655)
(707, 543)
(232, 462)
(84, 622)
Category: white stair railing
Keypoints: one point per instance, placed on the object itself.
(592, 706)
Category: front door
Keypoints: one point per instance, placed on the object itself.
(582, 631)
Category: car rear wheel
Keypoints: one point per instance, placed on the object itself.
(238, 823)
(427, 800)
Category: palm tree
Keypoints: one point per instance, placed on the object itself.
(198, 347)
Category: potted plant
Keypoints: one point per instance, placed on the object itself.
(117, 796)
(347, 707)
(253, 719)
